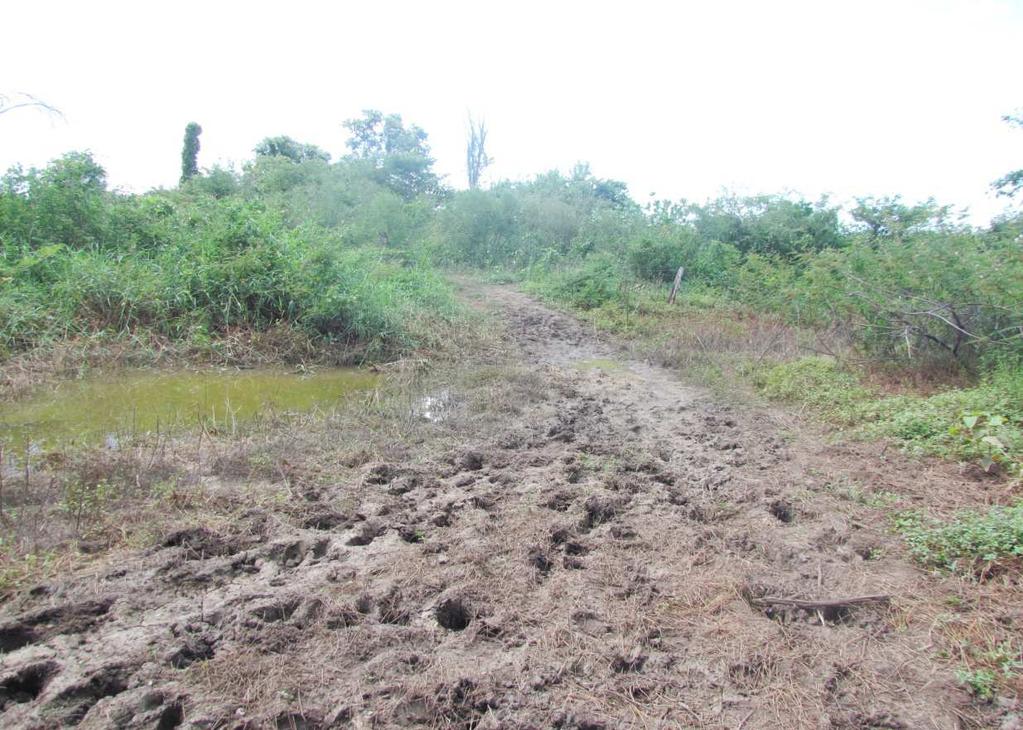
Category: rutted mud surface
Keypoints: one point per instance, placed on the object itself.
(595, 564)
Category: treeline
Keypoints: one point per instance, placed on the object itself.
(346, 251)
(908, 283)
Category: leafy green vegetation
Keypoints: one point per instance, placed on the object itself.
(347, 254)
(981, 423)
(292, 241)
(972, 543)
(982, 683)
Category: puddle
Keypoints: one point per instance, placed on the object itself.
(432, 408)
(105, 410)
(599, 363)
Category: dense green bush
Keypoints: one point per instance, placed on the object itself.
(951, 296)
(218, 254)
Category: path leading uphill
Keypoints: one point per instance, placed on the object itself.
(615, 554)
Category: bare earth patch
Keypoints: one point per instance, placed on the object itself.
(563, 546)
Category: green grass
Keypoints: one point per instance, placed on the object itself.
(817, 382)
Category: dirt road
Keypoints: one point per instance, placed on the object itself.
(603, 554)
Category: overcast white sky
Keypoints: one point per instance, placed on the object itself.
(676, 98)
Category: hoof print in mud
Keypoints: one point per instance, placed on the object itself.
(26, 684)
(73, 702)
(16, 635)
(441, 519)
(291, 553)
(277, 610)
(198, 543)
(454, 614)
(783, 511)
(141, 707)
(469, 461)
(343, 618)
(326, 519)
(72, 618)
(631, 662)
(410, 534)
(380, 474)
(560, 501)
(561, 535)
(303, 720)
(193, 649)
(623, 532)
(600, 510)
(366, 534)
(393, 609)
(575, 548)
(540, 561)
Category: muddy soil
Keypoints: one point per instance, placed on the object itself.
(608, 558)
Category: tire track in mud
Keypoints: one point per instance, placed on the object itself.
(592, 563)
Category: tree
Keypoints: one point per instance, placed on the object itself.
(1010, 184)
(190, 152)
(284, 146)
(890, 218)
(65, 203)
(399, 156)
(476, 159)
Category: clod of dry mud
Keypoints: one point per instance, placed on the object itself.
(596, 563)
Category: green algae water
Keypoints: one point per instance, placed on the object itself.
(112, 407)
(599, 363)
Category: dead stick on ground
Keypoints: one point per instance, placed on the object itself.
(820, 605)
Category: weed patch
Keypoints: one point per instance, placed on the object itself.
(972, 543)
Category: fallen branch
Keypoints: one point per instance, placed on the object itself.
(822, 605)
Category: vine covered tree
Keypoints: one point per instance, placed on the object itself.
(190, 152)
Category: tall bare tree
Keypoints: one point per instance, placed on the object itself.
(476, 160)
(26, 101)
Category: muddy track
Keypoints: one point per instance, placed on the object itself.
(598, 562)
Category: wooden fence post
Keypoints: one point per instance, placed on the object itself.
(676, 285)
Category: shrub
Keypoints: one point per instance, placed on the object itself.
(597, 281)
